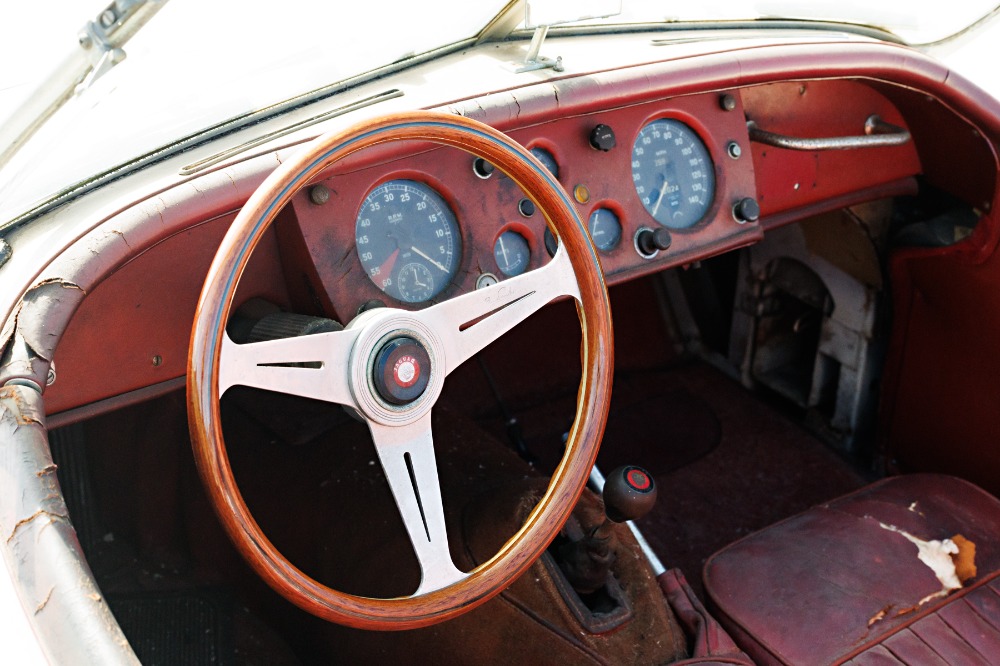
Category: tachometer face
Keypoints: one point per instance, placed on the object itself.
(407, 240)
(673, 173)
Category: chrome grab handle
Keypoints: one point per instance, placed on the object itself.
(877, 133)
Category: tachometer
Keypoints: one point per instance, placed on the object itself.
(673, 173)
(407, 240)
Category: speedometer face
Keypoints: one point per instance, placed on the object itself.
(672, 173)
(407, 240)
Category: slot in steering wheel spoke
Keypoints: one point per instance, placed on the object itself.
(310, 366)
(407, 457)
(472, 321)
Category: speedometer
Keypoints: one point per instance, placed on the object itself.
(407, 240)
(673, 173)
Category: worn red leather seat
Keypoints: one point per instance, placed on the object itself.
(841, 583)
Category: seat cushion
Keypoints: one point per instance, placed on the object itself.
(843, 579)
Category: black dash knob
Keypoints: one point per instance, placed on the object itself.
(746, 210)
(602, 137)
(650, 241)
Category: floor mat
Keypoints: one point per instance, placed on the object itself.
(179, 628)
(764, 469)
(653, 422)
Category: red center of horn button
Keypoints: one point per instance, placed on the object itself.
(637, 479)
(401, 370)
(406, 371)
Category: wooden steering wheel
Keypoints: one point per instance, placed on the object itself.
(341, 370)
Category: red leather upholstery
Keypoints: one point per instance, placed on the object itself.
(833, 585)
(709, 643)
(964, 631)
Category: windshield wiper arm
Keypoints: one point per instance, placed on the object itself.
(98, 49)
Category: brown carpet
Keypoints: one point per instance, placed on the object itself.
(765, 468)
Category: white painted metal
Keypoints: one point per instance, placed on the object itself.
(451, 332)
(418, 497)
(247, 365)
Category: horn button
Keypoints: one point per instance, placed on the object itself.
(401, 370)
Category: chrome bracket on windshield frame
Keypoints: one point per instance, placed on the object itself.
(533, 60)
(98, 49)
(105, 36)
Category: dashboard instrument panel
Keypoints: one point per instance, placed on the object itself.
(426, 222)
(659, 182)
(309, 261)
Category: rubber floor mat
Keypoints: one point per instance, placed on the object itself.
(653, 421)
(177, 628)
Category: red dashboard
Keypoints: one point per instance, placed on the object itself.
(323, 235)
(311, 263)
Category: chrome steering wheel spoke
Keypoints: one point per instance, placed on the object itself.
(470, 322)
(310, 366)
(407, 457)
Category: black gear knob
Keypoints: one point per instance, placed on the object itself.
(629, 493)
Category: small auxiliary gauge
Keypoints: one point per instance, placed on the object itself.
(605, 229)
(547, 160)
(512, 253)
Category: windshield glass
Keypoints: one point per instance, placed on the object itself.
(200, 63)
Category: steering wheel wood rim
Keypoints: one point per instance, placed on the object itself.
(208, 338)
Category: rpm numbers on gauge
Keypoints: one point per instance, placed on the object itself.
(673, 173)
(407, 240)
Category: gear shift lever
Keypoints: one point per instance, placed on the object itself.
(629, 493)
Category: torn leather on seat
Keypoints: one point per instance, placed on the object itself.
(833, 582)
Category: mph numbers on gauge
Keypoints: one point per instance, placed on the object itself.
(407, 240)
(673, 173)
